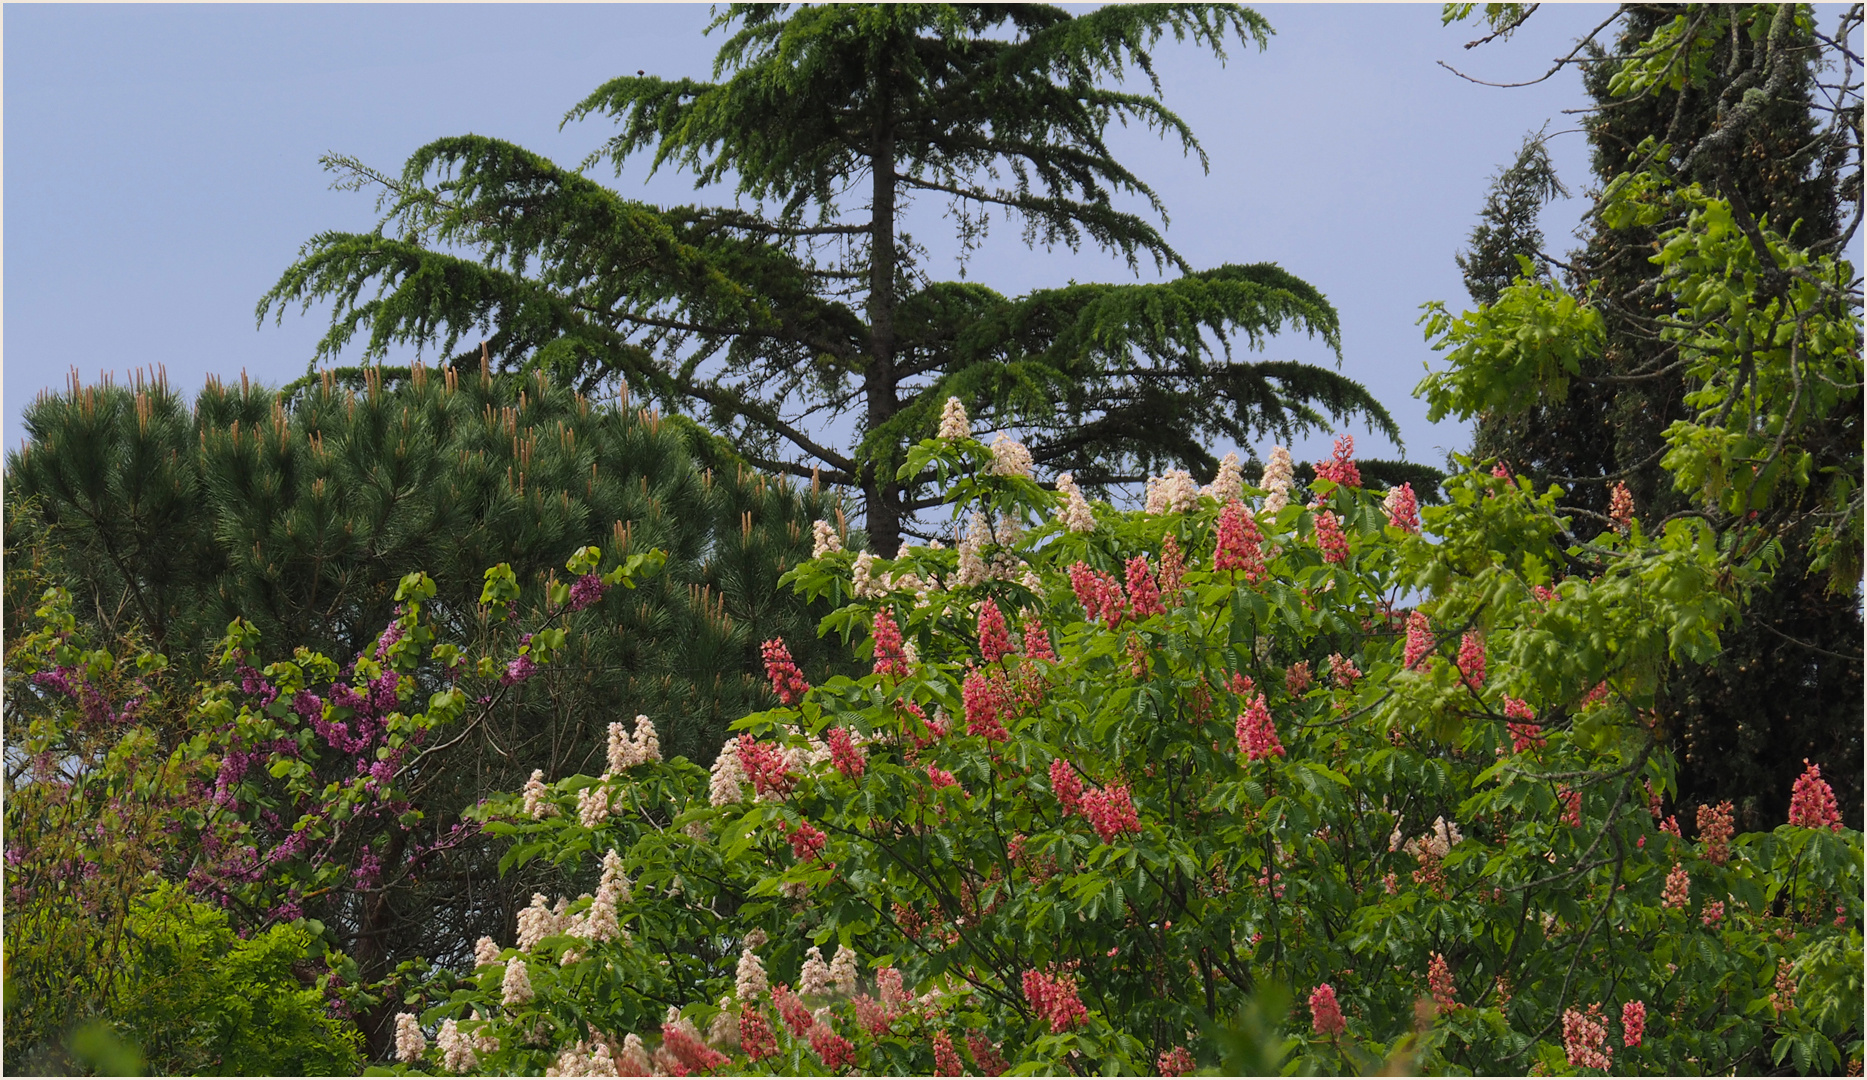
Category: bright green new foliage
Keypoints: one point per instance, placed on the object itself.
(1699, 355)
(199, 1000)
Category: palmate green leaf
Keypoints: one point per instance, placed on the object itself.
(1531, 341)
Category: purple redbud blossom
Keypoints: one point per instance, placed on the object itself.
(233, 768)
(383, 696)
(308, 705)
(587, 590)
(368, 870)
(519, 670)
(343, 697)
(339, 737)
(58, 679)
(252, 682)
(390, 635)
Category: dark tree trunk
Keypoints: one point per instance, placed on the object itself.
(374, 955)
(881, 495)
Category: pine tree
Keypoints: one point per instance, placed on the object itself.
(301, 511)
(814, 305)
(1742, 123)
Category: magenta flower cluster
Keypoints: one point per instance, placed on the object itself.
(1325, 1013)
(585, 591)
(1419, 641)
(1054, 998)
(1066, 786)
(994, 636)
(1143, 593)
(1110, 811)
(1099, 594)
(1257, 734)
(765, 765)
(890, 656)
(1812, 802)
(787, 680)
(1341, 464)
(985, 702)
(1240, 544)
(1330, 538)
(807, 841)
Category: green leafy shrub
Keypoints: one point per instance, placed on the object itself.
(197, 999)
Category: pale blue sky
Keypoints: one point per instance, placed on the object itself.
(161, 164)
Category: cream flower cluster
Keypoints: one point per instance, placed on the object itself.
(863, 583)
(1229, 484)
(972, 569)
(599, 922)
(843, 971)
(1276, 481)
(592, 806)
(410, 1043)
(535, 795)
(516, 988)
(824, 539)
(1010, 457)
(750, 982)
(456, 1048)
(953, 421)
(729, 778)
(814, 979)
(1074, 513)
(1173, 492)
(626, 751)
(1006, 532)
(592, 1058)
(539, 921)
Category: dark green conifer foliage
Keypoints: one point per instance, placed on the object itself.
(1788, 684)
(813, 304)
(1507, 232)
(302, 511)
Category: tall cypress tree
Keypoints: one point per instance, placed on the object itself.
(813, 304)
(1740, 122)
(1507, 231)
